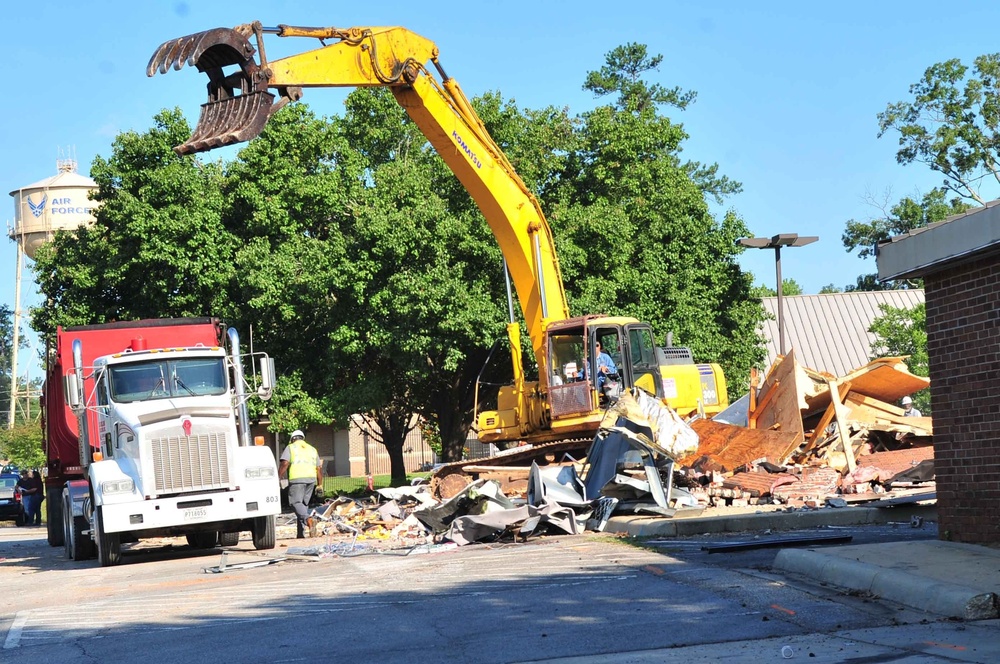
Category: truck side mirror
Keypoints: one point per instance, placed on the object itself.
(266, 378)
(71, 389)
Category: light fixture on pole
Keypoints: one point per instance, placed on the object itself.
(777, 242)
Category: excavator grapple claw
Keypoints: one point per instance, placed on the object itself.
(238, 103)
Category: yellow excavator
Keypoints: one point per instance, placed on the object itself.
(566, 401)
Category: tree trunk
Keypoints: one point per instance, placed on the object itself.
(394, 426)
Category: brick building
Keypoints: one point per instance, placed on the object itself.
(959, 261)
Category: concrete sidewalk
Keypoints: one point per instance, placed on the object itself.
(944, 578)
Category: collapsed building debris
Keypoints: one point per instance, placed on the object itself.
(809, 435)
(805, 439)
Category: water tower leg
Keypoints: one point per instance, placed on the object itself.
(17, 337)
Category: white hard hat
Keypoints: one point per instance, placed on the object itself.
(298, 433)
(906, 401)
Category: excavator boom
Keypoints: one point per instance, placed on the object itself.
(245, 89)
(240, 103)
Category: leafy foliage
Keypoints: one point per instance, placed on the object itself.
(788, 287)
(952, 124)
(22, 445)
(903, 332)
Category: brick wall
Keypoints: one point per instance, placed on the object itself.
(963, 345)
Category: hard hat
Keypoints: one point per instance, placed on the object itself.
(906, 401)
(298, 434)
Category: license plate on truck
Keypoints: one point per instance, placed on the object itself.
(195, 513)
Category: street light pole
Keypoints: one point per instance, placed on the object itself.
(777, 242)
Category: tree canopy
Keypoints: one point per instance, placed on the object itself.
(903, 332)
(951, 125)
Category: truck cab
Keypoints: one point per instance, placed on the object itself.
(163, 440)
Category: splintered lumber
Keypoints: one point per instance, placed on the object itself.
(886, 379)
(871, 410)
(786, 379)
(840, 416)
(828, 416)
(762, 406)
(727, 447)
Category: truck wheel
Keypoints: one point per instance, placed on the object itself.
(228, 539)
(78, 546)
(54, 520)
(19, 519)
(202, 540)
(109, 545)
(263, 532)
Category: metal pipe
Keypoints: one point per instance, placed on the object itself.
(17, 339)
(241, 400)
(541, 276)
(781, 306)
(81, 415)
(510, 297)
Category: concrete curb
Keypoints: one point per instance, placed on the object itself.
(938, 597)
(644, 526)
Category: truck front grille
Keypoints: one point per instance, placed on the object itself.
(190, 463)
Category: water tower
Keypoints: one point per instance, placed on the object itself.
(61, 202)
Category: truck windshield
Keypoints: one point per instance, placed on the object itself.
(164, 379)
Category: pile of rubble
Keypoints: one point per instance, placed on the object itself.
(804, 439)
(806, 436)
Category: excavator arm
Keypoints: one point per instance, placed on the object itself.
(240, 104)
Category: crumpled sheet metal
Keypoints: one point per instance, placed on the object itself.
(611, 449)
(479, 497)
(476, 527)
(556, 484)
(667, 433)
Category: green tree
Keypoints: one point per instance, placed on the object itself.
(6, 361)
(903, 332)
(21, 445)
(951, 124)
(862, 237)
(633, 227)
(158, 247)
(830, 288)
(788, 287)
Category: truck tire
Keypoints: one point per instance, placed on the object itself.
(109, 545)
(54, 519)
(263, 532)
(204, 540)
(228, 539)
(78, 546)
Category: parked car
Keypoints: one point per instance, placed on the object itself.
(10, 498)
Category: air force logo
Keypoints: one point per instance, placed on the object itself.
(39, 208)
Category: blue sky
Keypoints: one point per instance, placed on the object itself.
(788, 92)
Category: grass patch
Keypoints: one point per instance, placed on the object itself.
(358, 486)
